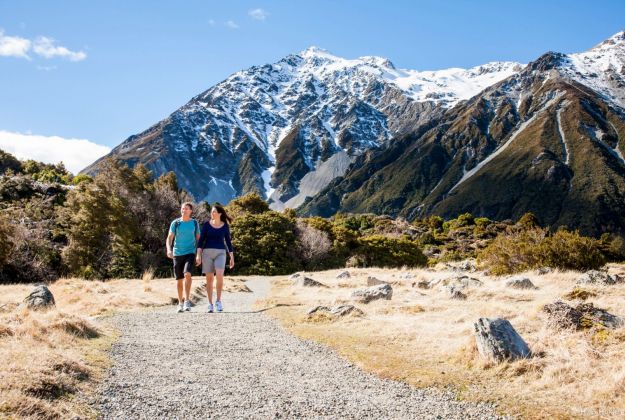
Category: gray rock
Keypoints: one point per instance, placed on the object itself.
(317, 309)
(308, 282)
(599, 277)
(460, 281)
(497, 340)
(295, 276)
(544, 270)
(40, 297)
(343, 275)
(455, 293)
(382, 291)
(520, 283)
(583, 316)
(342, 310)
(372, 281)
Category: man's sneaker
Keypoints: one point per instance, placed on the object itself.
(218, 306)
(180, 308)
(187, 305)
(210, 308)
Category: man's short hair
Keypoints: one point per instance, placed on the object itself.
(187, 203)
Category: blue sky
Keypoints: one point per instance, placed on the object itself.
(104, 70)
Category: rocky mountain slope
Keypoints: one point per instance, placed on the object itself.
(287, 129)
(548, 139)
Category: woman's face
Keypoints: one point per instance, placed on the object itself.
(214, 214)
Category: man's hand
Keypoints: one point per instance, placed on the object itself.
(170, 254)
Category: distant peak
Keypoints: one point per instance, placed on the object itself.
(377, 61)
(616, 40)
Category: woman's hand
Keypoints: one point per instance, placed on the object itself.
(231, 261)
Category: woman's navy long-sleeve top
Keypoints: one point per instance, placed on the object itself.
(216, 238)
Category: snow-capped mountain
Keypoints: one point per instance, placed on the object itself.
(289, 128)
(549, 139)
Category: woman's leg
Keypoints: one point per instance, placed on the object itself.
(220, 282)
(209, 287)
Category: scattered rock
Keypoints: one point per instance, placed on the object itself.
(343, 275)
(342, 310)
(583, 316)
(339, 310)
(467, 265)
(295, 276)
(497, 340)
(372, 281)
(520, 283)
(382, 291)
(308, 282)
(455, 293)
(40, 297)
(460, 281)
(318, 309)
(544, 270)
(423, 284)
(407, 276)
(599, 277)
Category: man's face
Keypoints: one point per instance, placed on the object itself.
(186, 211)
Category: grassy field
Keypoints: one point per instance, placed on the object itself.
(52, 360)
(425, 338)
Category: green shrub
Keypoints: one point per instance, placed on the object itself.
(250, 203)
(265, 244)
(465, 219)
(382, 251)
(527, 249)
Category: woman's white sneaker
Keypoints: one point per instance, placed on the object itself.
(210, 307)
(218, 306)
(180, 308)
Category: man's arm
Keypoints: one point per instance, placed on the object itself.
(170, 238)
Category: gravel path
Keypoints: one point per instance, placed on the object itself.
(240, 364)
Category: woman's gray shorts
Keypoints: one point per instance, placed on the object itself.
(213, 259)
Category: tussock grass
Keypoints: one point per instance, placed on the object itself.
(52, 358)
(423, 337)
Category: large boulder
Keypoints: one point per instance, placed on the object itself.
(366, 295)
(599, 277)
(520, 283)
(39, 298)
(497, 340)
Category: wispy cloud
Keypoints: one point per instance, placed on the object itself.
(232, 24)
(212, 22)
(76, 154)
(46, 68)
(258, 14)
(46, 47)
(15, 46)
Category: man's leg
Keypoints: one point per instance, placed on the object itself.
(179, 284)
(187, 285)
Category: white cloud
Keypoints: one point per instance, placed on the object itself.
(46, 47)
(232, 24)
(76, 154)
(258, 14)
(46, 68)
(211, 22)
(14, 46)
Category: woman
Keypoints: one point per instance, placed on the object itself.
(211, 252)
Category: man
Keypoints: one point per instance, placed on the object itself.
(185, 233)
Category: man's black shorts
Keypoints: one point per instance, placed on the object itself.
(183, 264)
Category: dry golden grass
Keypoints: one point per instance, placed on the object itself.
(51, 359)
(423, 337)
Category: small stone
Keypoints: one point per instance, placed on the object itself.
(342, 310)
(520, 283)
(497, 340)
(308, 282)
(455, 293)
(343, 275)
(372, 281)
(423, 284)
(382, 291)
(544, 270)
(599, 277)
(317, 309)
(295, 276)
(40, 297)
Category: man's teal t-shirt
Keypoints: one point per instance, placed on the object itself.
(184, 242)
